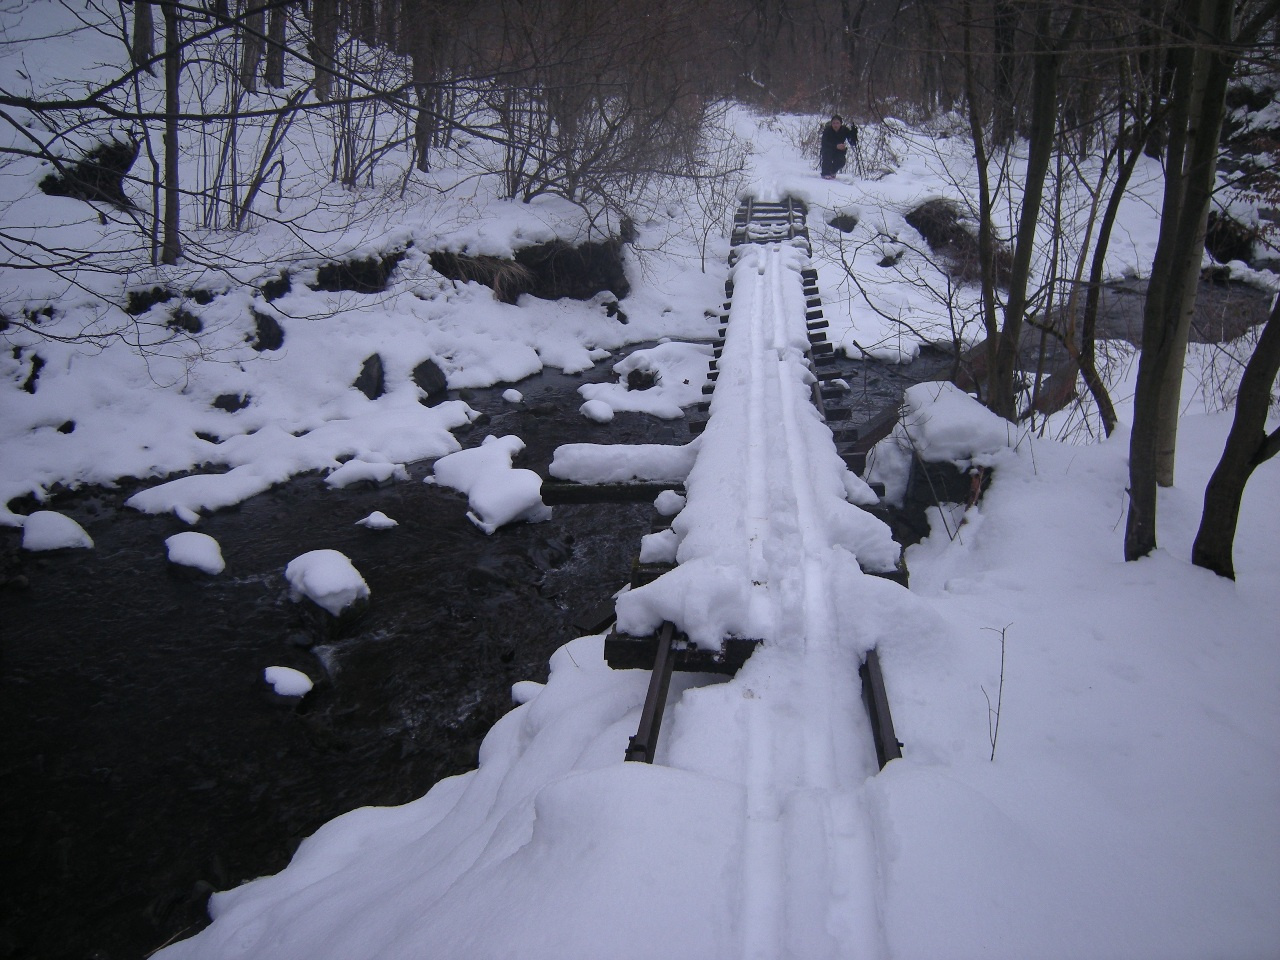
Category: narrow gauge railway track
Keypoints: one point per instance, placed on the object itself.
(769, 548)
(772, 348)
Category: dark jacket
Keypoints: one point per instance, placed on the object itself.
(831, 156)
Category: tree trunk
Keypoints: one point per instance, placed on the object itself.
(986, 242)
(1211, 71)
(1001, 396)
(171, 246)
(1248, 445)
(1003, 97)
(251, 37)
(324, 30)
(1088, 336)
(276, 21)
(144, 33)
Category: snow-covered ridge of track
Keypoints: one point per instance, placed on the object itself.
(771, 549)
(767, 531)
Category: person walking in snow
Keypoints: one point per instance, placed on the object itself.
(836, 138)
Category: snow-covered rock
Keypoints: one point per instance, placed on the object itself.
(198, 550)
(945, 423)
(49, 530)
(326, 578)
(597, 410)
(659, 547)
(356, 471)
(288, 682)
(377, 521)
(939, 423)
(619, 463)
(496, 493)
(668, 503)
(512, 395)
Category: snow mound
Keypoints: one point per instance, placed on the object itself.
(198, 550)
(356, 471)
(677, 372)
(377, 521)
(287, 682)
(327, 578)
(512, 395)
(945, 423)
(496, 493)
(619, 463)
(597, 410)
(659, 547)
(49, 530)
(939, 423)
(668, 503)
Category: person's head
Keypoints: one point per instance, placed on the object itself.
(836, 121)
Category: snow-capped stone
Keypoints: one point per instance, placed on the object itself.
(659, 547)
(327, 578)
(354, 471)
(377, 521)
(198, 550)
(945, 423)
(597, 410)
(668, 503)
(496, 493)
(287, 682)
(512, 395)
(49, 530)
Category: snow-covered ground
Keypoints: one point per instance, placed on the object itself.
(1127, 807)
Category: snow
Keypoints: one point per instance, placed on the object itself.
(326, 578)
(356, 471)
(668, 503)
(377, 521)
(939, 422)
(198, 550)
(49, 530)
(1129, 809)
(680, 370)
(497, 493)
(288, 682)
(619, 463)
(598, 410)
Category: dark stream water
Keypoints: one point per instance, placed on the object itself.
(144, 762)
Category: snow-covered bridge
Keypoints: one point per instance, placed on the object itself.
(770, 529)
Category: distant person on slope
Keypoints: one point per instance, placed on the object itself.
(836, 138)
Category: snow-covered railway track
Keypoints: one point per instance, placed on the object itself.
(769, 549)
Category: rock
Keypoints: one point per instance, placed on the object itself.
(270, 335)
(431, 381)
(372, 381)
